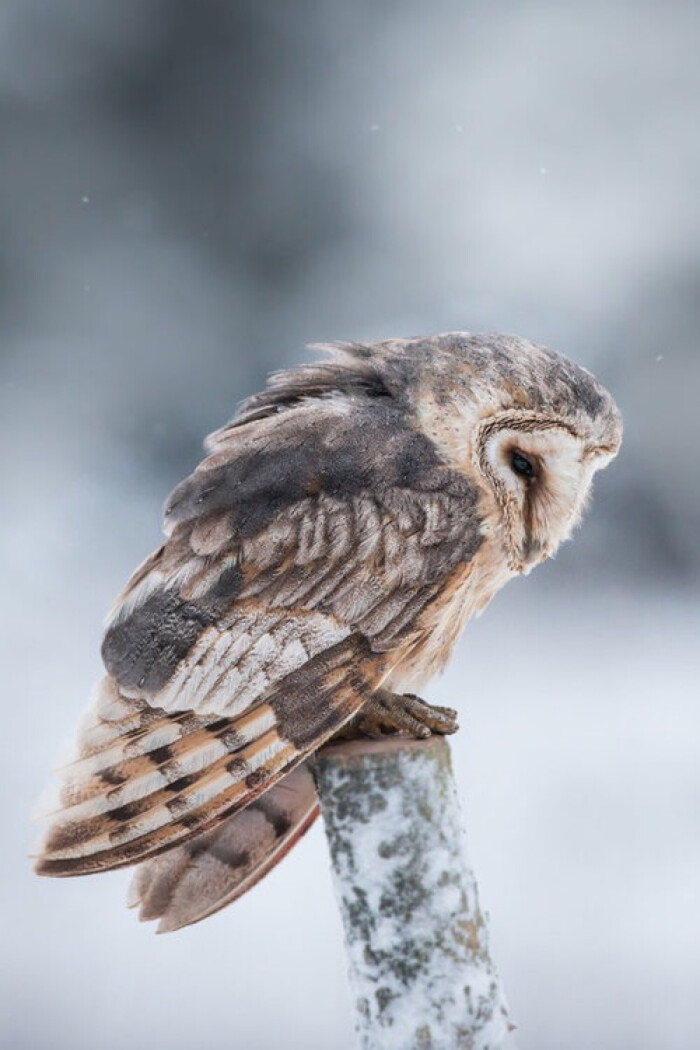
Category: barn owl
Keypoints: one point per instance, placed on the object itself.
(318, 566)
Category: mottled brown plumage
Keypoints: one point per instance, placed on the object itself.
(320, 562)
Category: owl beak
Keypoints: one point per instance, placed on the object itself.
(533, 552)
(532, 549)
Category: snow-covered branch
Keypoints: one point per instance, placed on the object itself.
(420, 969)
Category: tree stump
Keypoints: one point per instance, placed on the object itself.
(417, 939)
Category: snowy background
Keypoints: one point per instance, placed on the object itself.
(191, 192)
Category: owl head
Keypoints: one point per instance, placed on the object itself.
(530, 427)
(525, 425)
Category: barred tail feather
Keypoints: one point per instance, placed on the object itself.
(192, 881)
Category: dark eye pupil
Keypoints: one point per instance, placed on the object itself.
(522, 465)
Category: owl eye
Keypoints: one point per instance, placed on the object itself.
(521, 465)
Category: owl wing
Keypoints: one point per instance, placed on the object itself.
(300, 555)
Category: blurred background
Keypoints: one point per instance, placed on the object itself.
(190, 193)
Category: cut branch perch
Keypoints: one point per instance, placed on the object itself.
(417, 940)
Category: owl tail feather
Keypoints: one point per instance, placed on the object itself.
(192, 881)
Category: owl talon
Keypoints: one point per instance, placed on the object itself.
(389, 712)
(436, 718)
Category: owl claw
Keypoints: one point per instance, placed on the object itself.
(389, 712)
(438, 719)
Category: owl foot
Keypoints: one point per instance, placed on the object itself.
(388, 712)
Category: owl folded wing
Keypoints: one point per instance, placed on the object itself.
(300, 555)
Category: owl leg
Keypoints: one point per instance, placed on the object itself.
(387, 712)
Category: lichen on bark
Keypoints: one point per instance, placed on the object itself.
(417, 940)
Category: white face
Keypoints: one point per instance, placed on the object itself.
(540, 473)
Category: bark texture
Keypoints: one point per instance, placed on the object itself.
(420, 968)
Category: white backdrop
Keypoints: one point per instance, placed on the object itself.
(190, 192)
